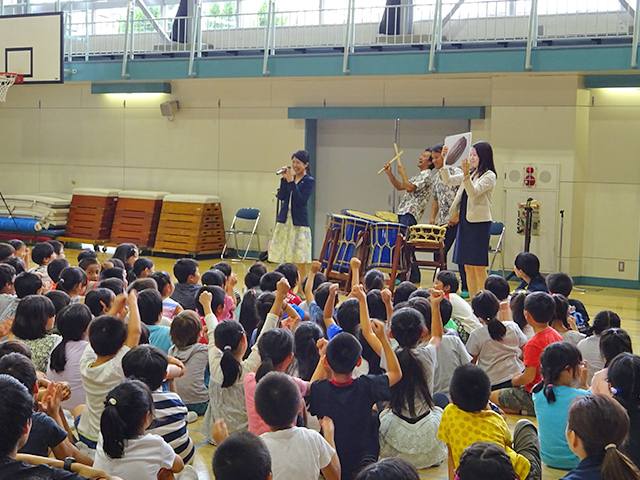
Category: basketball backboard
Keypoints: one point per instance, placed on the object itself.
(32, 45)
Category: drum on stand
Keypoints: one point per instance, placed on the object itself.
(362, 215)
(350, 244)
(332, 237)
(383, 244)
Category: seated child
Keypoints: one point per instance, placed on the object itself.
(290, 272)
(269, 282)
(409, 427)
(539, 309)
(8, 298)
(42, 253)
(624, 377)
(212, 278)
(242, 456)
(150, 306)
(87, 253)
(91, 267)
(6, 251)
(99, 300)
(231, 280)
(56, 267)
(485, 460)
(170, 308)
(253, 276)
(374, 280)
(391, 468)
(403, 291)
(33, 322)
(143, 267)
(101, 365)
(311, 283)
(150, 365)
(563, 284)
(497, 346)
(451, 351)
(563, 323)
(276, 353)
(612, 343)
(47, 426)
(348, 402)
(116, 285)
(597, 427)
(227, 347)
(516, 305)
(16, 414)
(462, 313)
(317, 299)
(564, 377)
(64, 366)
(59, 299)
(470, 389)
(73, 281)
(500, 288)
(188, 275)
(127, 253)
(124, 446)
(590, 346)
(185, 331)
(295, 452)
(527, 268)
(306, 353)
(114, 272)
(58, 248)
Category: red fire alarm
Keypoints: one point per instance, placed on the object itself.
(529, 178)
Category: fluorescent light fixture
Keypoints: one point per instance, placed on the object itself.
(131, 87)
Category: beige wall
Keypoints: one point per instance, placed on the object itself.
(230, 135)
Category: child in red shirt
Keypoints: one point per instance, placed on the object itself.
(539, 310)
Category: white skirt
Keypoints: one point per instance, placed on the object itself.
(290, 243)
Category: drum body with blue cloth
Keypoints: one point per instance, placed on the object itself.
(383, 245)
(334, 222)
(349, 245)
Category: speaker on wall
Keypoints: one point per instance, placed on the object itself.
(169, 109)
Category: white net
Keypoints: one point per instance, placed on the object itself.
(6, 80)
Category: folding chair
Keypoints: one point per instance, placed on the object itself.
(497, 230)
(244, 215)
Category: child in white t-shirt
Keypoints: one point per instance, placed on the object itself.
(296, 453)
(497, 346)
(123, 448)
(101, 363)
(563, 323)
(462, 314)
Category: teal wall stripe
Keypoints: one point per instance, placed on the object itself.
(311, 146)
(607, 282)
(374, 113)
(544, 59)
(612, 81)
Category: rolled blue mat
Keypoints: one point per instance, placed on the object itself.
(18, 224)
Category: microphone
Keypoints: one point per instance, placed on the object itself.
(282, 170)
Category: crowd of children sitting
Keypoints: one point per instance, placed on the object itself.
(103, 365)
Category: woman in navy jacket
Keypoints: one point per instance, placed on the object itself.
(291, 240)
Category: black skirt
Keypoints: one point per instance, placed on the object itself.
(472, 241)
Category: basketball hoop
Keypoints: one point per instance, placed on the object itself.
(6, 80)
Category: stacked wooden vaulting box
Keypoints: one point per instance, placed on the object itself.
(190, 224)
(91, 213)
(136, 217)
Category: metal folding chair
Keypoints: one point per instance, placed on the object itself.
(244, 215)
(497, 230)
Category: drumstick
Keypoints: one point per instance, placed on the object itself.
(397, 157)
(395, 147)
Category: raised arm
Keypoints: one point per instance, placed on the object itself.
(308, 288)
(485, 183)
(133, 328)
(332, 470)
(386, 298)
(394, 181)
(328, 307)
(436, 319)
(394, 372)
(355, 270)
(365, 322)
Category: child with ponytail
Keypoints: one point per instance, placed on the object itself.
(73, 281)
(563, 323)
(227, 347)
(597, 427)
(497, 346)
(612, 343)
(276, 353)
(624, 377)
(306, 352)
(123, 447)
(564, 377)
(64, 364)
(409, 426)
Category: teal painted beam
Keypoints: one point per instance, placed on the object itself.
(377, 113)
(607, 282)
(544, 59)
(311, 146)
(131, 87)
(612, 81)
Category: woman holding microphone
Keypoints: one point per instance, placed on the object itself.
(291, 240)
(472, 205)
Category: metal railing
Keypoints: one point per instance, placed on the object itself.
(426, 24)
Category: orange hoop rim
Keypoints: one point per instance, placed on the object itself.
(18, 78)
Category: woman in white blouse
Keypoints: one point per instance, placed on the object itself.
(472, 206)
